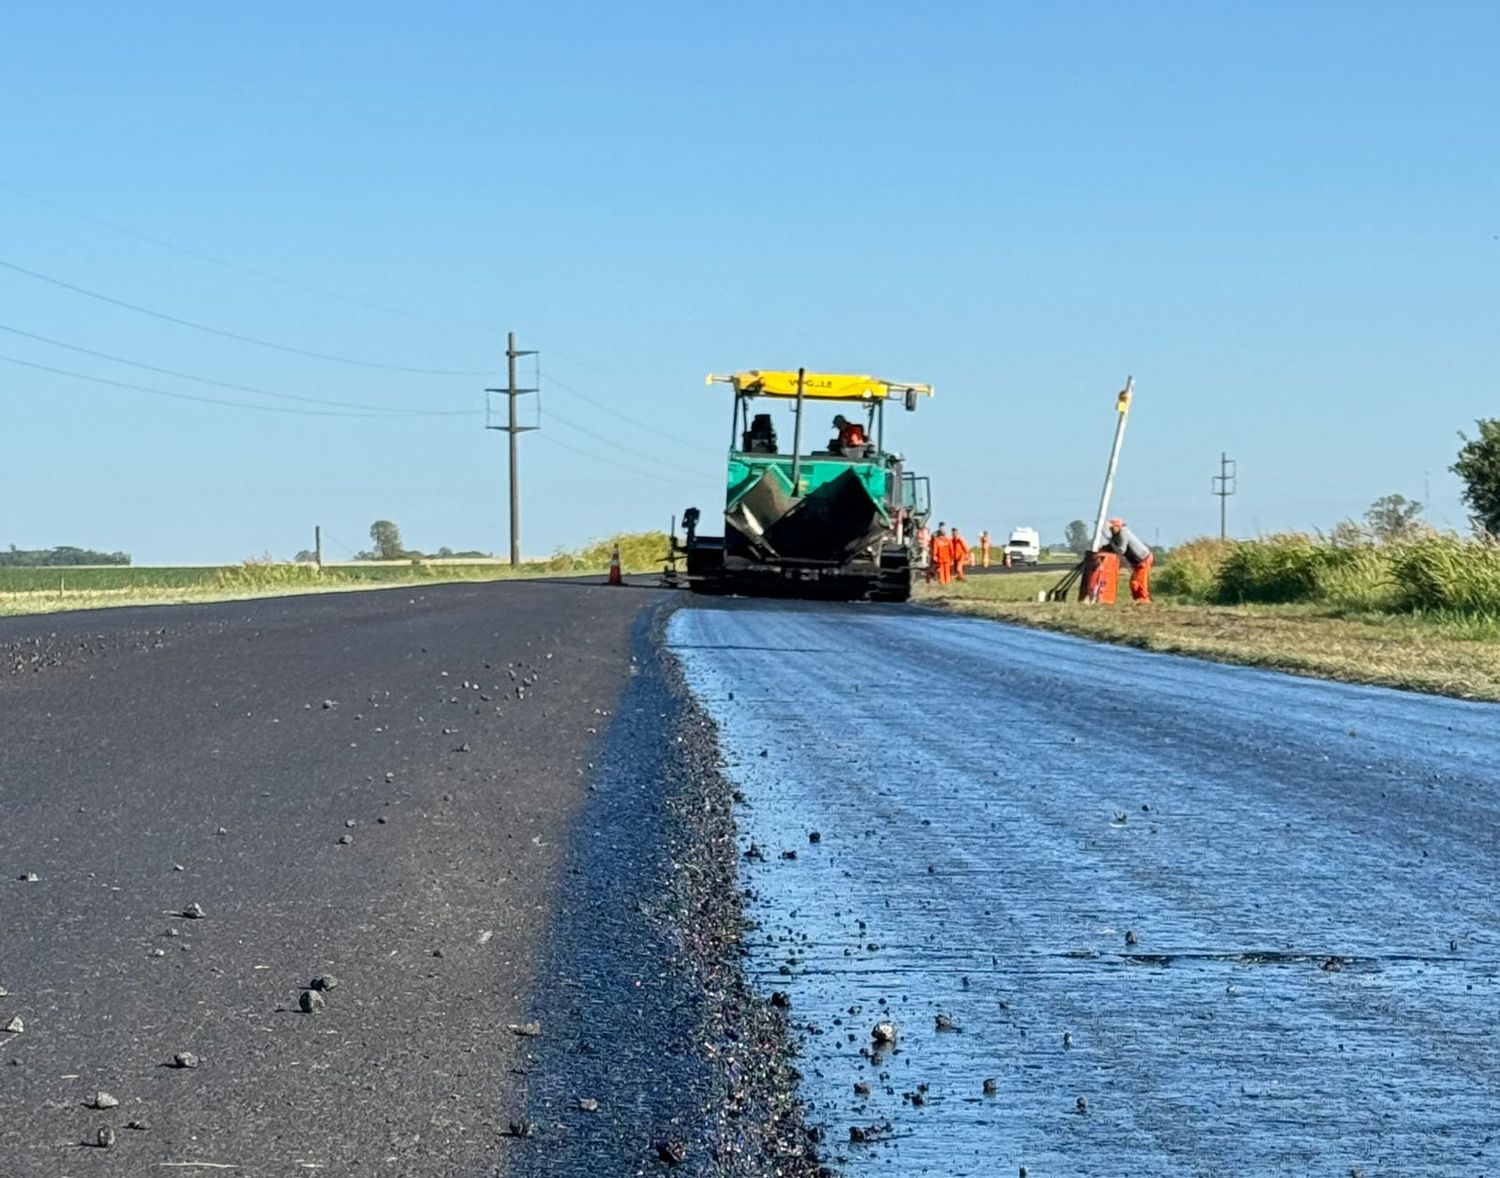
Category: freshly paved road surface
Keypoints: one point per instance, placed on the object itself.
(1310, 873)
(157, 759)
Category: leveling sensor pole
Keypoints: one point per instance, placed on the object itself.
(1064, 588)
(1122, 411)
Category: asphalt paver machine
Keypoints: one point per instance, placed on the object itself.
(838, 521)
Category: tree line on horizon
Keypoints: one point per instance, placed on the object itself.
(386, 544)
(65, 554)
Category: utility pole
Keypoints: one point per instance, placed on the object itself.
(1225, 484)
(318, 546)
(512, 427)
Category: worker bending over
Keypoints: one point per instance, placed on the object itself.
(942, 555)
(1125, 543)
(960, 555)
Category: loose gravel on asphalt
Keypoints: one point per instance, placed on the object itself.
(208, 811)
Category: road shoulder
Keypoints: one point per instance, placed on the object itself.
(651, 1040)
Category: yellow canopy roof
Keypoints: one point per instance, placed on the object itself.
(823, 386)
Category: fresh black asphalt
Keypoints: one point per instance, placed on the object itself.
(376, 786)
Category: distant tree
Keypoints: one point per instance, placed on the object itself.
(1479, 466)
(386, 537)
(444, 552)
(1078, 538)
(1394, 518)
(306, 556)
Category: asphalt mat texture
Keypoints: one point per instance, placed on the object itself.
(207, 807)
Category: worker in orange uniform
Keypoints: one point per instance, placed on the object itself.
(1126, 544)
(960, 555)
(984, 548)
(850, 435)
(942, 555)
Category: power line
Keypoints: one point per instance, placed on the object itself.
(623, 416)
(141, 388)
(242, 388)
(226, 263)
(650, 474)
(554, 416)
(219, 331)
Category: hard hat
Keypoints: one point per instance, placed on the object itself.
(1116, 524)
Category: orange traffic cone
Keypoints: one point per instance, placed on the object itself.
(614, 568)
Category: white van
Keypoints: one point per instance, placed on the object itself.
(1024, 546)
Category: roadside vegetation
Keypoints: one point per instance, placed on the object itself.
(46, 589)
(1422, 615)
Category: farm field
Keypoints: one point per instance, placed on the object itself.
(48, 589)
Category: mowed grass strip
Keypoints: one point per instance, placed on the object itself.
(1437, 653)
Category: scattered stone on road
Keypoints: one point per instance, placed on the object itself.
(15, 1026)
(311, 1002)
(324, 981)
(105, 1138)
(193, 911)
(526, 1030)
(673, 1152)
(588, 1104)
(103, 1100)
(185, 1059)
(883, 1032)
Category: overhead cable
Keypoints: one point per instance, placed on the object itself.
(622, 416)
(234, 335)
(141, 388)
(382, 410)
(650, 474)
(554, 416)
(226, 263)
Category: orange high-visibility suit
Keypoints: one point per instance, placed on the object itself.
(942, 558)
(960, 555)
(851, 433)
(1140, 580)
(984, 548)
(1123, 542)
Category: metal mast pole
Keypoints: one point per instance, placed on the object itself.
(797, 433)
(1122, 409)
(513, 427)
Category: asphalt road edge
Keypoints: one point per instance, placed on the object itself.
(655, 1052)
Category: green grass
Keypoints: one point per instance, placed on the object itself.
(1442, 651)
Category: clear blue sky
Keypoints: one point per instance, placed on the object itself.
(1283, 219)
